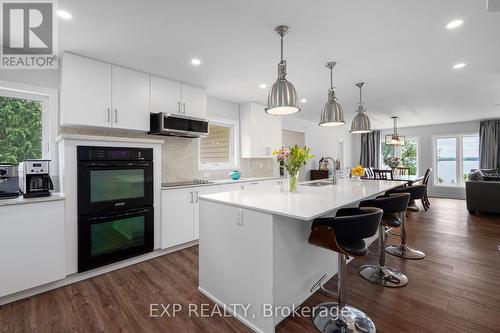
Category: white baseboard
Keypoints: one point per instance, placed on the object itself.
(95, 272)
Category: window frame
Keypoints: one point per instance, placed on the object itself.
(234, 145)
(50, 114)
(459, 157)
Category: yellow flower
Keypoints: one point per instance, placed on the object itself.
(358, 171)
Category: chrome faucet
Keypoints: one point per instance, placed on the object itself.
(334, 176)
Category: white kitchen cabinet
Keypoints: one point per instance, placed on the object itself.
(232, 187)
(180, 218)
(98, 94)
(177, 216)
(177, 98)
(130, 91)
(194, 101)
(260, 133)
(165, 95)
(32, 245)
(201, 191)
(85, 92)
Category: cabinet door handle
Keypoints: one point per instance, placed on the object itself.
(184, 108)
(192, 197)
(116, 116)
(109, 115)
(197, 197)
(178, 107)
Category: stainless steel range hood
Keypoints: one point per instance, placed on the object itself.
(176, 125)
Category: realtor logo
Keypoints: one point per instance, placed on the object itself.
(28, 35)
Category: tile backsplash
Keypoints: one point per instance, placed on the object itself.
(180, 157)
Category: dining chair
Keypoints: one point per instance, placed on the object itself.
(403, 171)
(425, 201)
(383, 174)
(369, 172)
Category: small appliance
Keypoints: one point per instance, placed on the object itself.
(9, 180)
(37, 181)
(175, 125)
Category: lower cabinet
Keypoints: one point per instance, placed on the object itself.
(180, 219)
(32, 245)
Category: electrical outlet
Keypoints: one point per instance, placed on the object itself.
(239, 216)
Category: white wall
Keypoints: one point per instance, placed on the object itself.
(323, 141)
(221, 108)
(36, 77)
(425, 158)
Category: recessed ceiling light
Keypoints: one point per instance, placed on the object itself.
(303, 100)
(454, 24)
(262, 86)
(459, 65)
(196, 62)
(64, 14)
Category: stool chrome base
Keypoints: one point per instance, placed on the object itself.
(384, 276)
(403, 251)
(329, 319)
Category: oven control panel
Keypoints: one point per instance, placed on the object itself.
(86, 153)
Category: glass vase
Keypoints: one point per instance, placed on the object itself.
(293, 179)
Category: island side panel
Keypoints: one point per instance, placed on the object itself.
(298, 265)
(236, 261)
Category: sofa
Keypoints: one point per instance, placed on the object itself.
(482, 191)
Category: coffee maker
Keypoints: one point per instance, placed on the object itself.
(9, 180)
(37, 181)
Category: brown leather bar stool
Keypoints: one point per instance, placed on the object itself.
(392, 205)
(403, 250)
(345, 235)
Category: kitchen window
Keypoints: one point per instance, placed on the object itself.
(219, 149)
(454, 157)
(24, 126)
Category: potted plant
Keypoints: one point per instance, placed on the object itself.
(293, 158)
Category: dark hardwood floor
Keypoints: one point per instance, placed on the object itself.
(456, 288)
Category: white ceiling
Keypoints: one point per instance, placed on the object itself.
(399, 47)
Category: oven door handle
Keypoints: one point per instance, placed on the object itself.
(107, 165)
(136, 212)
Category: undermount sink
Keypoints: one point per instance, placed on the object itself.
(316, 184)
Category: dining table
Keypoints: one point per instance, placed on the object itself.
(409, 179)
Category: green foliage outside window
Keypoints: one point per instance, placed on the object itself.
(20, 130)
(408, 153)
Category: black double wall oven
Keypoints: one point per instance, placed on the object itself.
(115, 204)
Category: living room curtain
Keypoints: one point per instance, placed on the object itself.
(489, 144)
(370, 149)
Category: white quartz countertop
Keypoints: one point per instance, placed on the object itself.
(224, 182)
(22, 201)
(308, 202)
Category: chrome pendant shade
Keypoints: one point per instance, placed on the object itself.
(332, 114)
(361, 123)
(395, 139)
(282, 98)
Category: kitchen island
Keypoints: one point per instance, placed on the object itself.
(254, 256)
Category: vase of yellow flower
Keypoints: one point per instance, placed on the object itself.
(358, 171)
(293, 158)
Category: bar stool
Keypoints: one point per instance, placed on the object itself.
(345, 235)
(392, 205)
(403, 250)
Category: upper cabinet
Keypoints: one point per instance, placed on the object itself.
(130, 92)
(177, 98)
(85, 92)
(98, 94)
(261, 133)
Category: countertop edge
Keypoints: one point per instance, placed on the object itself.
(223, 182)
(24, 201)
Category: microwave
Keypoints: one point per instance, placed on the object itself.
(175, 125)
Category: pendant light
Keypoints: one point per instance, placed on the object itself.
(361, 123)
(282, 98)
(395, 139)
(332, 114)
